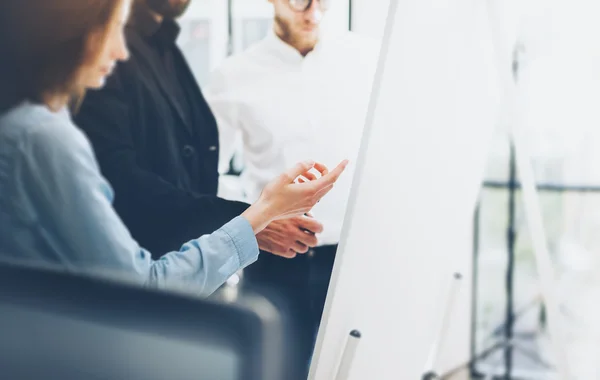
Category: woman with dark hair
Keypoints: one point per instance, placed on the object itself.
(55, 207)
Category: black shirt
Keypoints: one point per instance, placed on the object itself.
(163, 40)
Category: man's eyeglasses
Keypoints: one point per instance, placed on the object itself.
(303, 5)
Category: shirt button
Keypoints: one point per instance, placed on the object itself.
(188, 151)
(212, 148)
(311, 252)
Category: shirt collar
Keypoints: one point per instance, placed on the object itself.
(165, 33)
(287, 52)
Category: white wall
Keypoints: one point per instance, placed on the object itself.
(368, 17)
(338, 15)
(409, 224)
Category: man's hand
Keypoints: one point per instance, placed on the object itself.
(288, 237)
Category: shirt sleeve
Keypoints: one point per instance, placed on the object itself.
(79, 224)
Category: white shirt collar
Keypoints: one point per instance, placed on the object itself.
(287, 52)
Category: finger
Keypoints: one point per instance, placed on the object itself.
(332, 177)
(305, 231)
(300, 248)
(321, 168)
(278, 251)
(310, 224)
(308, 240)
(309, 176)
(300, 168)
(301, 179)
(285, 253)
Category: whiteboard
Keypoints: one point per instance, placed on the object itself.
(408, 227)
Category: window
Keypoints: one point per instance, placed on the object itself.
(560, 77)
(204, 36)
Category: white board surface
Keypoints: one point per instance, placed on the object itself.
(409, 222)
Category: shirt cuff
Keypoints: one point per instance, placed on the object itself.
(244, 240)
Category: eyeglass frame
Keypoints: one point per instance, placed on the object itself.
(310, 2)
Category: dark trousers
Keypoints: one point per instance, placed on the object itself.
(298, 287)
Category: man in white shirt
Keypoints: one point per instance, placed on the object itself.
(302, 92)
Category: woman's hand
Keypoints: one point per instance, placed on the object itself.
(293, 193)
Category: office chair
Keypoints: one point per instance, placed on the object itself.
(56, 325)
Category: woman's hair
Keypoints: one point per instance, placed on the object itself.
(45, 43)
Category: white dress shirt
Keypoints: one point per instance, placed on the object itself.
(288, 108)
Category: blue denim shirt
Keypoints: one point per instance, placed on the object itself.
(56, 209)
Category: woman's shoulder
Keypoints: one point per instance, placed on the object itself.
(41, 136)
(34, 123)
(31, 120)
